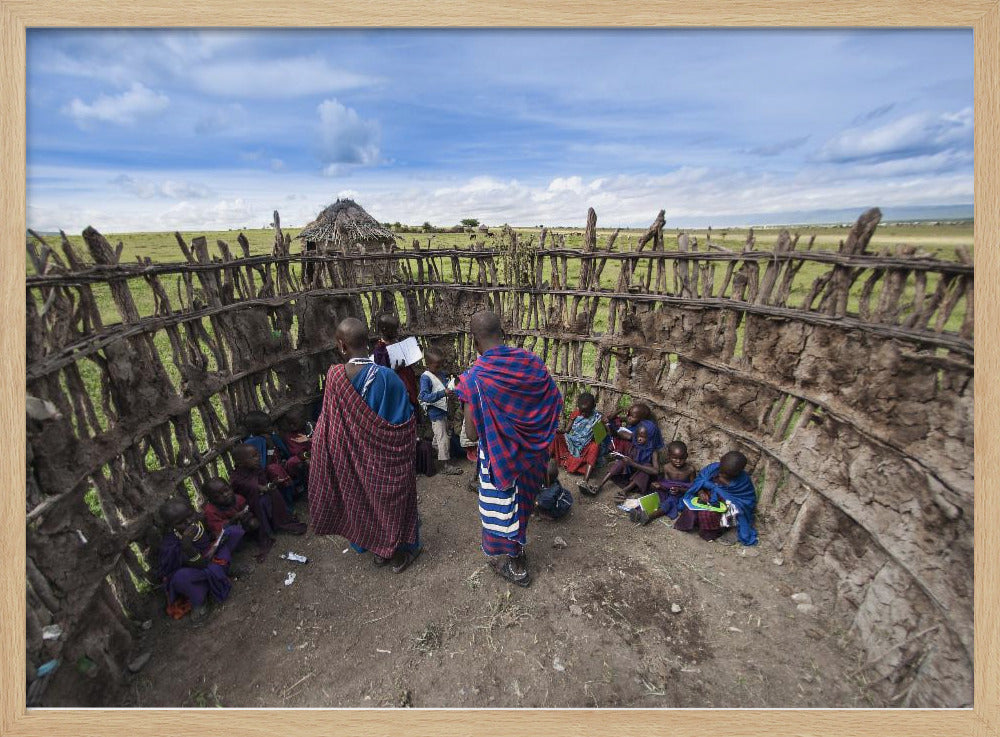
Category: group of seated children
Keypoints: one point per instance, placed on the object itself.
(710, 502)
(195, 551)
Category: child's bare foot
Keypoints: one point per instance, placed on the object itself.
(586, 488)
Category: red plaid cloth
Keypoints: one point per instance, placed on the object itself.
(515, 407)
(362, 479)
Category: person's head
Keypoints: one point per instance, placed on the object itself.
(246, 456)
(552, 471)
(487, 332)
(586, 404)
(387, 326)
(434, 359)
(218, 492)
(642, 434)
(257, 423)
(291, 421)
(677, 454)
(352, 338)
(637, 413)
(732, 464)
(176, 514)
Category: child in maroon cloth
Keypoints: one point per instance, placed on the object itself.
(265, 500)
(224, 508)
(622, 435)
(387, 328)
(194, 562)
(261, 436)
(294, 442)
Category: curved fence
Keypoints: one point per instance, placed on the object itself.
(845, 376)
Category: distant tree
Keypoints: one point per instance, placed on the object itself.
(427, 227)
(397, 226)
(470, 222)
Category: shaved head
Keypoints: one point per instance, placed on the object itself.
(353, 333)
(485, 325)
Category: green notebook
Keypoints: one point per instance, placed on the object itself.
(600, 432)
(650, 503)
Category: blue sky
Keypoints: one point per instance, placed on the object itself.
(153, 130)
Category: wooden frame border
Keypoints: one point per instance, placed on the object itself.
(983, 16)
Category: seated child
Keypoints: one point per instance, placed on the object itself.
(193, 562)
(725, 483)
(639, 466)
(266, 503)
(261, 435)
(553, 501)
(621, 435)
(577, 446)
(294, 443)
(433, 398)
(223, 508)
(387, 329)
(675, 479)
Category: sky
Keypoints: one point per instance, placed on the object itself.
(150, 130)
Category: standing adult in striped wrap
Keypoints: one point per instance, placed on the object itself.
(362, 479)
(512, 406)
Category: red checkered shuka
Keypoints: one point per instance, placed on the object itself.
(362, 477)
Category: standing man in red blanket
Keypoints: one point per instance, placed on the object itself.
(362, 479)
(512, 406)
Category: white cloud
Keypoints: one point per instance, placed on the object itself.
(913, 135)
(170, 189)
(277, 164)
(274, 78)
(346, 140)
(124, 109)
(691, 196)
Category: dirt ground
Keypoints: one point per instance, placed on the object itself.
(623, 616)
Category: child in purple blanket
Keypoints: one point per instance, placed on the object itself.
(193, 562)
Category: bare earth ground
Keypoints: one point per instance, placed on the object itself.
(595, 629)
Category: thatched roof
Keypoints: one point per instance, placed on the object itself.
(345, 224)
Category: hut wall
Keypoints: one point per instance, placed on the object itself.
(853, 402)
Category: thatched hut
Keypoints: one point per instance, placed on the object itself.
(345, 227)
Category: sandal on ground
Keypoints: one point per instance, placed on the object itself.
(505, 570)
(473, 486)
(586, 488)
(379, 561)
(449, 470)
(638, 515)
(403, 559)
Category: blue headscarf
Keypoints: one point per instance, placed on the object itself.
(643, 452)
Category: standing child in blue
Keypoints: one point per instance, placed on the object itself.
(433, 398)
